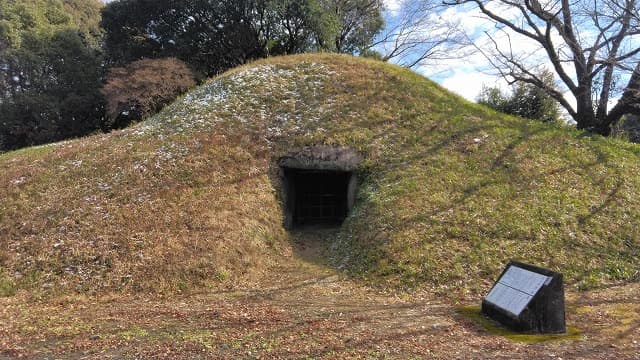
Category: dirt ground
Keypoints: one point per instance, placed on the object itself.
(307, 311)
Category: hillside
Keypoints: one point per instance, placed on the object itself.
(448, 191)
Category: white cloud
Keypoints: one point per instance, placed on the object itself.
(466, 73)
(468, 18)
(468, 84)
(393, 6)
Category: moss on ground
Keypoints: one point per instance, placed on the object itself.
(474, 314)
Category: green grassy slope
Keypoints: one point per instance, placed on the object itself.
(450, 192)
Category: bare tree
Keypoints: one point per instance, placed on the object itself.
(592, 45)
(419, 35)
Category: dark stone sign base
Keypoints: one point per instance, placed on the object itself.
(527, 298)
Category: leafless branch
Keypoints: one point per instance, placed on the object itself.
(418, 36)
(589, 44)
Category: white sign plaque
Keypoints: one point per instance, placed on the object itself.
(515, 289)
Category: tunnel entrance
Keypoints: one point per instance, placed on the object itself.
(318, 197)
(319, 186)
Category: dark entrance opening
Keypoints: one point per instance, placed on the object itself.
(319, 185)
(317, 197)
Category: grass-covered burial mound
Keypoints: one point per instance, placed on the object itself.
(447, 191)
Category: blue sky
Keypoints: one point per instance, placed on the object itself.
(466, 73)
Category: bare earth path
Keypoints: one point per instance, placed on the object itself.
(307, 310)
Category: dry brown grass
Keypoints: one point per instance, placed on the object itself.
(307, 311)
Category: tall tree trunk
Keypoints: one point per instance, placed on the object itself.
(629, 103)
(585, 116)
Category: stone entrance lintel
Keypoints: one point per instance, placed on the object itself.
(322, 157)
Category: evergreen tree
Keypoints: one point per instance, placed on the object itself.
(526, 100)
(212, 36)
(50, 70)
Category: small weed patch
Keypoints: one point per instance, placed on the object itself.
(7, 286)
(134, 333)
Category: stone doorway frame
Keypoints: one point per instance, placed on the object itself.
(321, 158)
